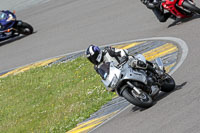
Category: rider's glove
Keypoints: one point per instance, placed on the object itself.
(112, 52)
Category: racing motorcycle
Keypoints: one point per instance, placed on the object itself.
(180, 8)
(11, 27)
(137, 86)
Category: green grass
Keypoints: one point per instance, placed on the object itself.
(51, 99)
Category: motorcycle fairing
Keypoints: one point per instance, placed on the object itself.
(112, 74)
(5, 23)
(170, 5)
(130, 74)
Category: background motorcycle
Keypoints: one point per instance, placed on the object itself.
(138, 86)
(11, 27)
(180, 8)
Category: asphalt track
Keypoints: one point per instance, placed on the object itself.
(19, 4)
(71, 25)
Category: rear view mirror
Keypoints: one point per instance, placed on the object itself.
(160, 63)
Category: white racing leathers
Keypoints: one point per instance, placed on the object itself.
(107, 55)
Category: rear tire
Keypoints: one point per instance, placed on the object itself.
(188, 5)
(144, 102)
(168, 84)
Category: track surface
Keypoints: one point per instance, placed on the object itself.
(71, 25)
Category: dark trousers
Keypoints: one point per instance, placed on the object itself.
(161, 16)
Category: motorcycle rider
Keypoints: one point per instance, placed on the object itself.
(100, 58)
(3, 15)
(6, 14)
(154, 5)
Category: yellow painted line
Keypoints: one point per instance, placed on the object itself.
(28, 67)
(85, 129)
(119, 46)
(132, 45)
(127, 46)
(160, 51)
(81, 128)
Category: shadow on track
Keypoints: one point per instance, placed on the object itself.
(184, 20)
(161, 96)
(10, 40)
(4, 42)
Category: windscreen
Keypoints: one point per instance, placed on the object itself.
(2, 15)
(104, 69)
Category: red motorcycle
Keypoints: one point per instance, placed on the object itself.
(180, 8)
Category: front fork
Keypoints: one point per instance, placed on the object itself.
(136, 90)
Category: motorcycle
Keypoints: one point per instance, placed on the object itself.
(11, 27)
(180, 8)
(137, 86)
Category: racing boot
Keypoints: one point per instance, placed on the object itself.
(154, 91)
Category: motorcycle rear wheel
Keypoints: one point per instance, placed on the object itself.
(186, 4)
(145, 101)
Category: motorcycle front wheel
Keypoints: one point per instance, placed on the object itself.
(168, 83)
(190, 6)
(143, 100)
(25, 28)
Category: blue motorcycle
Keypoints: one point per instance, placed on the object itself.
(11, 27)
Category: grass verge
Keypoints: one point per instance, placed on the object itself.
(51, 99)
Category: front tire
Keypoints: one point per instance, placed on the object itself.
(168, 84)
(25, 28)
(144, 101)
(188, 5)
